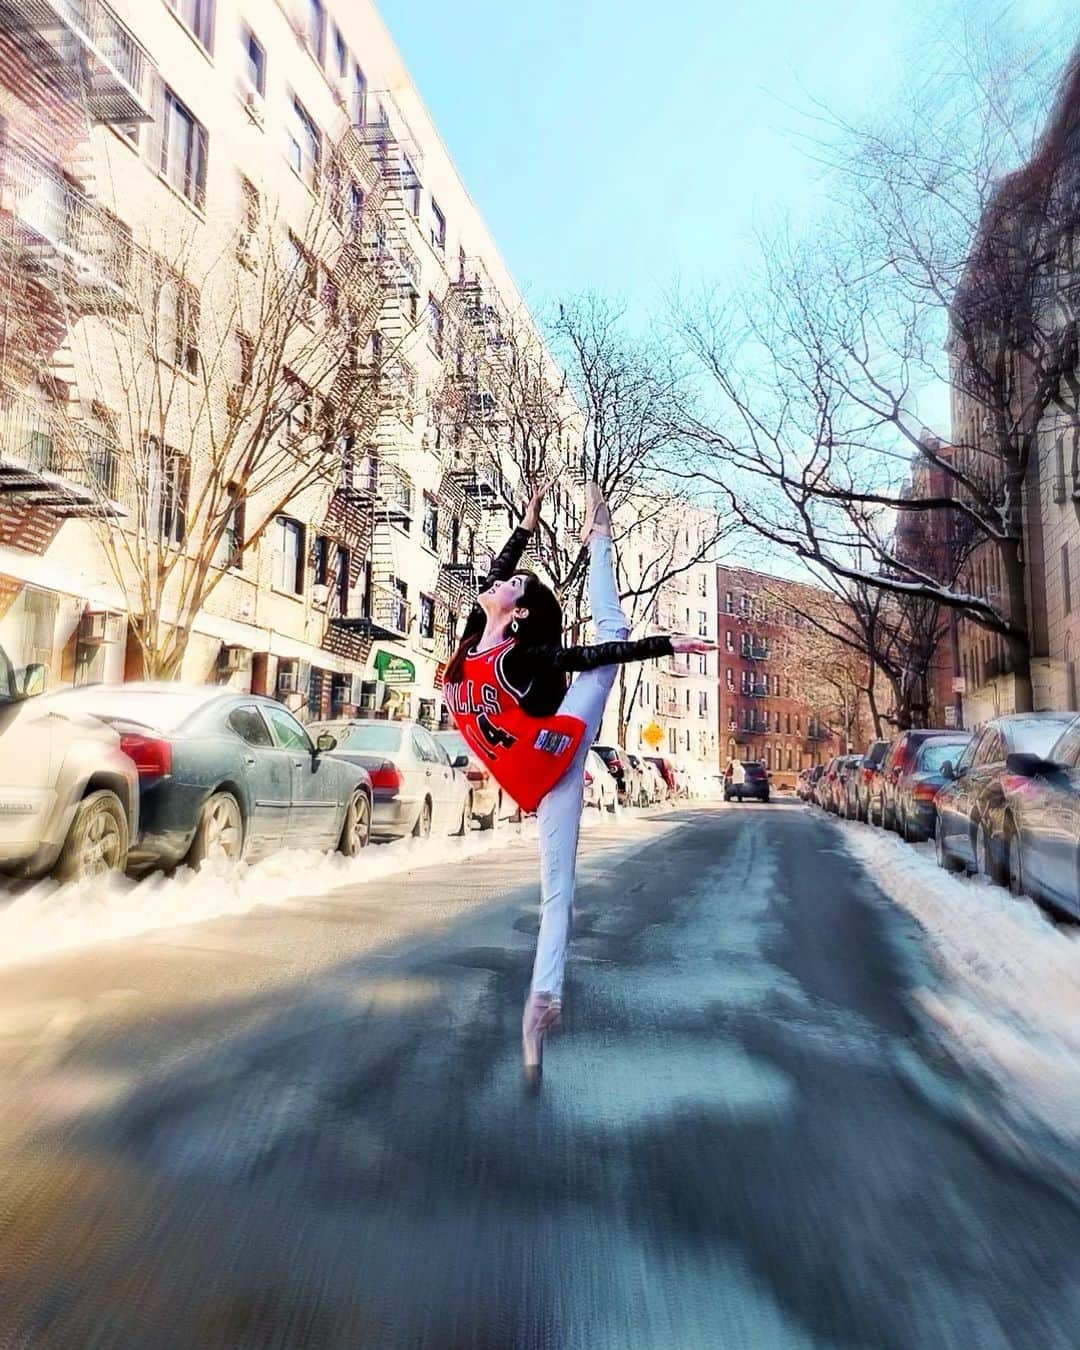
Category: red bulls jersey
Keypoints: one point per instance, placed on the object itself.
(526, 755)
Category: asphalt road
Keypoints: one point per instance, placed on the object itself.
(306, 1127)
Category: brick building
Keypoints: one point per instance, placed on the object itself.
(788, 695)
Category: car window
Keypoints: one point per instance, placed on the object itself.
(991, 750)
(1066, 750)
(1034, 735)
(968, 757)
(453, 742)
(375, 736)
(426, 747)
(936, 753)
(287, 730)
(248, 724)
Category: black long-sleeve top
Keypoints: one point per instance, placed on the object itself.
(538, 673)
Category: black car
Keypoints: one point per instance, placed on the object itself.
(746, 778)
(227, 775)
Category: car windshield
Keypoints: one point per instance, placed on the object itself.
(453, 742)
(1034, 735)
(381, 736)
(9, 689)
(936, 753)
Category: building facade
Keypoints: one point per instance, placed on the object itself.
(788, 695)
(151, 151)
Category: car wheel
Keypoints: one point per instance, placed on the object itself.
(903, 828)
(466, 816)
(985, 857)
(1014, 862)
(356, 830)
(945, 859)
(422, 828)
(220, 831)
(97, 841)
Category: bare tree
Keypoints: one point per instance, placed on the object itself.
(941, 265)
(237, 373)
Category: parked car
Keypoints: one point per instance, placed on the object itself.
(807, 782)
(225, 774)
(489, 804)
(418, 789)
(655, 784)
(600, 788)
(826, 793)
(627, 777)
(899, 760)
(847, 769)
(970, 828)
(69, 795)
(914, 811)
(641, 792)
(862, 784)
(1042, 823)
(746, 778)
(666, 770)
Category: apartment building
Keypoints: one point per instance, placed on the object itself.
(788, 695)
(284, 505)
(668, 707)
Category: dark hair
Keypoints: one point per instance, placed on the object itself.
(541, 627)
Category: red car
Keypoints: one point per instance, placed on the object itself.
(666, 770)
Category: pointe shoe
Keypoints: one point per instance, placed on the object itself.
(541, 1013)
(597, 515)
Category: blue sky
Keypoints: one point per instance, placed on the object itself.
(620, 144)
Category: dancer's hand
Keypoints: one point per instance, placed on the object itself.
(681, 643)
(531, 518)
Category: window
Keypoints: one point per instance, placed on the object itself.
(1070, 676)
(320, 560)
(702, 584)
(198, 16)
(182, 162)
(178, 324)
(730, 678)
(248, 724)
(342, 577)
(341, 54)
(435, 324)
(776, 686)
(703, 702)
(455, 539)
(304, 273)
(703, 663)
(359, 98)
(702, 623)
(729, 603)
(431, 523)
(231, 548)
(427, 616)
(169, 485)
(729, 641)
(1066, 580)
(438, 227)
(251, 207)
(288, 732)
(302, 143)
(411, 185)
(789, 724)
(316, 28)
(289, 555)
(254, 59)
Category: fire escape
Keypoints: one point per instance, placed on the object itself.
(65, 258)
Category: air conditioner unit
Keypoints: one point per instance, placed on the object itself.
(254, 105)
(320, 593)
(427, 644)
(99, 626)
(369, 696)
(286, 679)
(231, 660)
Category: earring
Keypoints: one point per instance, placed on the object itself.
(513, 625)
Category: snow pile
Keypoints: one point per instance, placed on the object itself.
(46, 918)
(1011, 998)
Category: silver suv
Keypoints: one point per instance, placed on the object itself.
(69, 796)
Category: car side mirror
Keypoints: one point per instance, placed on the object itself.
(1029, 766)
(31, 680)
(325, 743)
(461, 762)
(948, 771)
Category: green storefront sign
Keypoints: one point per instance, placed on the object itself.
(393, 669)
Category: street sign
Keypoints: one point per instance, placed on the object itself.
(393, 669)
(959, 684)
(653, 735)
(950, 716)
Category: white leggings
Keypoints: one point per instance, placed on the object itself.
(559, 813)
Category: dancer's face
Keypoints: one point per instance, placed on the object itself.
(502, 599)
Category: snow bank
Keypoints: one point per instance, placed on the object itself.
(46, 918)
(1010, 1001)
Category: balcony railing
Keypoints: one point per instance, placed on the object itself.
(114, 62)
(755, 691)
(395, 493)
(385, 614)
(66, 238)
(48, 460)
(755, 726)
(818, 734)
(755, 651)
(672, 707)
